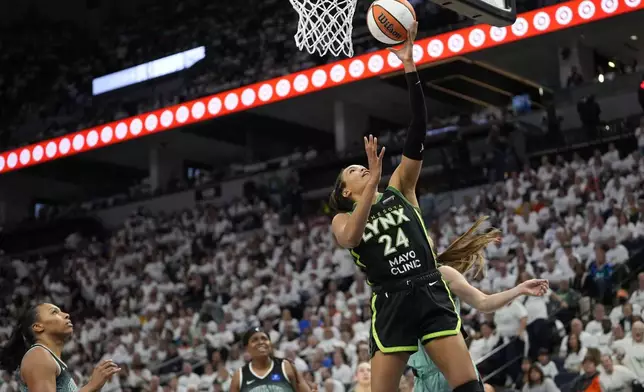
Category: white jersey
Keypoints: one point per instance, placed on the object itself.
(634, 359)
(618, 381)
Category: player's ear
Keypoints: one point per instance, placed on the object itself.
(346, 193)
(37, 327)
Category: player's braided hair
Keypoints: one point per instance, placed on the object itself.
(21, 339)
(467, 251)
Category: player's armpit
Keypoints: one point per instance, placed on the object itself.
(39, 371)
(405, 177)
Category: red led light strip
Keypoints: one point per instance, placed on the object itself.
(459, 42)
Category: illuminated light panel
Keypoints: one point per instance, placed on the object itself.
(440, 47)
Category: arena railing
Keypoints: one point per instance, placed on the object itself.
(639, 254)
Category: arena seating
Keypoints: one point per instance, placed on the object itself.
(168, 295)
(69, 57)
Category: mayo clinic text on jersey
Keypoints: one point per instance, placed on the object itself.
(404, 263)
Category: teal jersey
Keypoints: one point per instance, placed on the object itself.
(429, 378)
(64, 380)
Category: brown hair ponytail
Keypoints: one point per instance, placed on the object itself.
(338, 203)
(467, 251)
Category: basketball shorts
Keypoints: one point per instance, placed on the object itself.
(419, 309)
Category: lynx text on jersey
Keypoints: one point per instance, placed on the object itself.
(383, 220)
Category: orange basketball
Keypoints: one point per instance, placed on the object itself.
(389, 20)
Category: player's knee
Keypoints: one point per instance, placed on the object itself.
(470, 386)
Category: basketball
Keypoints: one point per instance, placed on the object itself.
(389, 20)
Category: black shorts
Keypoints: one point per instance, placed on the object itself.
(400, 319)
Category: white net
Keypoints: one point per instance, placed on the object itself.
(325, 26)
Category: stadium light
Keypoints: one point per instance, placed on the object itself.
(148, 71)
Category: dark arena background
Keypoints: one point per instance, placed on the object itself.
(165, 171)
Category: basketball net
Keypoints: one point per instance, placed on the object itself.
(325, 26)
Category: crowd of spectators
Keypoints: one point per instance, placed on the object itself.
(241, 47)
(168, 295)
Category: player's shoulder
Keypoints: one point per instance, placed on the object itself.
(235, 383)
(339, 221)
(38, 359)
(389, 195)
(284, 364)
(37, 354)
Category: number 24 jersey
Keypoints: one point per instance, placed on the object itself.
(395, 245)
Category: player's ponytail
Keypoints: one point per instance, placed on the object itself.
(21, 339)
(467, 251)
(337, 201)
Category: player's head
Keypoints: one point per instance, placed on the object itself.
(257, 343)
(42, 322)
(468, 250)
(348, 187)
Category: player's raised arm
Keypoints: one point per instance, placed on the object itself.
(489, 303)
(406, 174)
(359, 185)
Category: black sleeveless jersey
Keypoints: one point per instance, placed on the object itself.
(395, 244)
(64, 380)
(274, 381)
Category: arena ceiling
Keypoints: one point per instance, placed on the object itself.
(458, 84)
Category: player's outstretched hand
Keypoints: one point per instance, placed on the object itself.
(406, 52)
(534, 287)
(102, 373)
(374, 158)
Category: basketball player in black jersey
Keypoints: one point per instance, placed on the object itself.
(35, 349)
(388, 240)
(264, 372)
